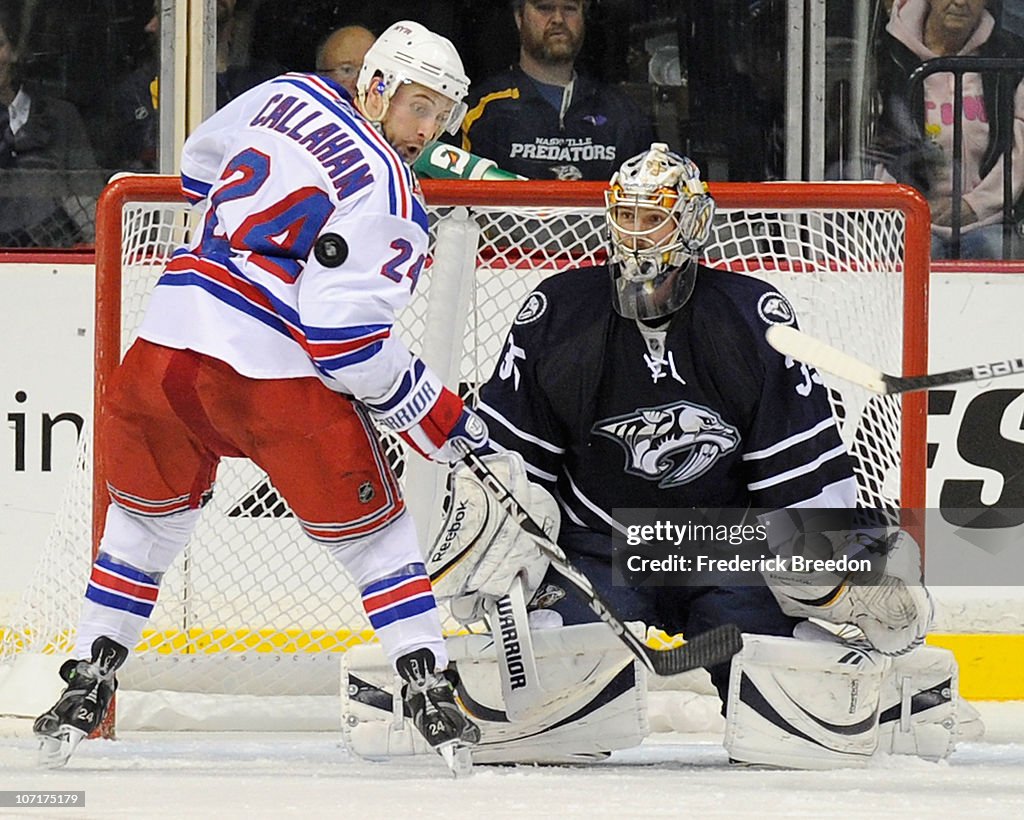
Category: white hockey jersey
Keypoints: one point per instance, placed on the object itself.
(313, 237)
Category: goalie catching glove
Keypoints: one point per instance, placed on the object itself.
(428, 416)
(481, 549)
(891, 607)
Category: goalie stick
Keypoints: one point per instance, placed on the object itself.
(521, 686)
(795, 343)
(709, 648)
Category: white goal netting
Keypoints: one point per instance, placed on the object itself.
(253, 607)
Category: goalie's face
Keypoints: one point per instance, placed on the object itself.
(651, 277)
(642, 229)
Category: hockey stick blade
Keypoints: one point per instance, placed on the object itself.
(715, 646)
(795, 343)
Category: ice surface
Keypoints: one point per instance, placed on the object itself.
(244, 775)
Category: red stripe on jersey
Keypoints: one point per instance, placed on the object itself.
(108, 580)
(150, 508)
(337, 535)
(222, 275)
(190, 263)
(398, 169)
(325, 350)
(320, 85)
(404, 591)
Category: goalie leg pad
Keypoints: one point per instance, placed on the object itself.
(921, 710)
(803, 704)
(597, 700)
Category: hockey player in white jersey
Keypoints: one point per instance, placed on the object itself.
(271, 336)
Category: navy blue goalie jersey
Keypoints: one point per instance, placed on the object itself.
(609, 413)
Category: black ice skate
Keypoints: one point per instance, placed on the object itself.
(82, 705)
(430, 699)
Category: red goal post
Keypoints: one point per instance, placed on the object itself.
(912, 265)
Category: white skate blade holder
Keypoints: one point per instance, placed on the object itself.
(457, 758)
(54, 752)
(456, 755)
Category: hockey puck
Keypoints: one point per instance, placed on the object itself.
(330, 250)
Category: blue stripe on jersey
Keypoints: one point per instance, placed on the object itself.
(340, 334)
(312, 333)
(195, 188)
(409, 609)
(99, 596)
(348, 359)
(281, 318)
(419, 215)
(108, 563)
(356, 128)
(226, 295)
(290, 318)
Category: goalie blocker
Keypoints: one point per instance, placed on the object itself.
(481, 549)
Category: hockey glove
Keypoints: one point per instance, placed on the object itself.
(892, 607)
(428, 416)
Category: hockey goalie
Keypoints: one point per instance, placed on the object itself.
(647, 383)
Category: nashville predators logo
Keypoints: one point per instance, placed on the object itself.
(773, 308)
(672, 444)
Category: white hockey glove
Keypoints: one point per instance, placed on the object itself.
(428, 416)
(893, 610)
(481, 549)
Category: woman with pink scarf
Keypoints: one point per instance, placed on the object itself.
(914, 136)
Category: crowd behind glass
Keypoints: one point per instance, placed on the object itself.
(710, 77)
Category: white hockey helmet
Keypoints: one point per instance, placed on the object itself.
(410, 53)
(652, 259)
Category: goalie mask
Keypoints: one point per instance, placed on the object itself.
(659, 216)
(410, 53)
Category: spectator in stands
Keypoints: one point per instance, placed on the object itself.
(136, 98)
(542, 119)
(340, 55)
(914, 137)
(237, 71)
(135, 136)
(37, 133)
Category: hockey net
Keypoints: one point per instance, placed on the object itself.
(254, 608)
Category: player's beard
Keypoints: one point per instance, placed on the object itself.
(547, 49)
(407, 149)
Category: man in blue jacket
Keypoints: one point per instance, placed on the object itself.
(543, 120)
